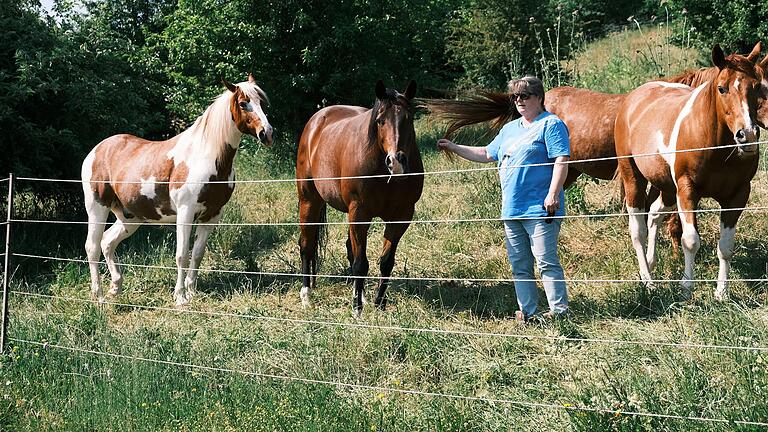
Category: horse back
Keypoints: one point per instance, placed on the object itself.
(590, 117)
(131, 175)
(328, 147)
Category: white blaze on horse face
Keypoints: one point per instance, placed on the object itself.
(148, 187)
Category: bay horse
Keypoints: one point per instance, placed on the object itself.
(340, 142)
(167, 181)
(660, 117)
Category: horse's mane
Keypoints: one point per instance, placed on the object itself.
(486, 106)
(693, 77)
(392, 97)
(214, 128)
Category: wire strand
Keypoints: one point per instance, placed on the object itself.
(287, 378)
(391, 278)
(497, 168)
(399, 222)
(606, 341)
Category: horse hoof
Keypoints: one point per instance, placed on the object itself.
(181, 300)
(357, 313)
(304, 295)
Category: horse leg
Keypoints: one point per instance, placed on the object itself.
(392, 234)
(97, 216)
(184, 219)
(358, 233)
(310, 211)
(635, 196)
(198, 250)
(728, 221)
(118, 232)
(690, 240)
(655, 216)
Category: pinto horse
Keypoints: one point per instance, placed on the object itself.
(339, 145)
(661, 118)
(167, 181)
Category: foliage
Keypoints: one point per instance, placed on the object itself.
(734, 24)
(64, 87)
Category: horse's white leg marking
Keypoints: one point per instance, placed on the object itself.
(691, 242)
(654, 218)
(184, 219)
(201, 238)
(304, 294)
(724, 254)
(118, 232)
(97, 215)
(639, 233)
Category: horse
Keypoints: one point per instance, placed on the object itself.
(662, 118)
(339, 145)
(168, 181)
(589, 115)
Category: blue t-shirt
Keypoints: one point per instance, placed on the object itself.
(523, 189)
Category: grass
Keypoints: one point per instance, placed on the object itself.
(46, 388)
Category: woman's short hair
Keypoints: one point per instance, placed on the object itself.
(528, 84)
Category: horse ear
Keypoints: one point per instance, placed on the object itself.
(381, 91)
(251, 79)
(410, 91)
(231, 87)
(764, 62)
(752, 56)
(718, 57)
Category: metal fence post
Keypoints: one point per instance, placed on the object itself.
(6, 267)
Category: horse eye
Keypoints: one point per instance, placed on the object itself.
(380, 121)
(722, 89)
(243, 105)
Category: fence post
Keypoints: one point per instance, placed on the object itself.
(7, 266)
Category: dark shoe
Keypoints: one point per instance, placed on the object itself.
(557, 316)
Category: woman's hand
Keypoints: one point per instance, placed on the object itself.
(445, 145)
(552, 203)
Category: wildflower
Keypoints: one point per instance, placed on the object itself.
(144, 405)
(531, 20)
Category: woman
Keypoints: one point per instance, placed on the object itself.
(531, 195)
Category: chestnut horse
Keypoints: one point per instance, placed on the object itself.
(343, 141)
(661, 118)
(166, 181)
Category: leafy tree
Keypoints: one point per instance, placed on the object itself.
(734, 24)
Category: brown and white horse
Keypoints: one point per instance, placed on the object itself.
(343, 141)
(661, 118)
(167, 181)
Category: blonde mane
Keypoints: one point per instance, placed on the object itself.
(214, 130)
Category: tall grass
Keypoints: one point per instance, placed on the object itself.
(45, 388)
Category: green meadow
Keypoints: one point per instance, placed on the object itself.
(446, 355)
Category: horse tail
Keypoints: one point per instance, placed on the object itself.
(675, 231)
(486, 106)
(322, 236)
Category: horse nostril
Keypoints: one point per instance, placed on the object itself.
(740, 134)
(388, 160)
(262, 135)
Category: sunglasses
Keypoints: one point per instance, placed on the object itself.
(521, 96)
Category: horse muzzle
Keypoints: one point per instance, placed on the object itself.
(746, 137)
(265, 136)
(397, 163)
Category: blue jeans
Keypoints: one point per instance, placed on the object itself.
(529, 240)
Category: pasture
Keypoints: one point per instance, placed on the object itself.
(262, 362)
(446, 355)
